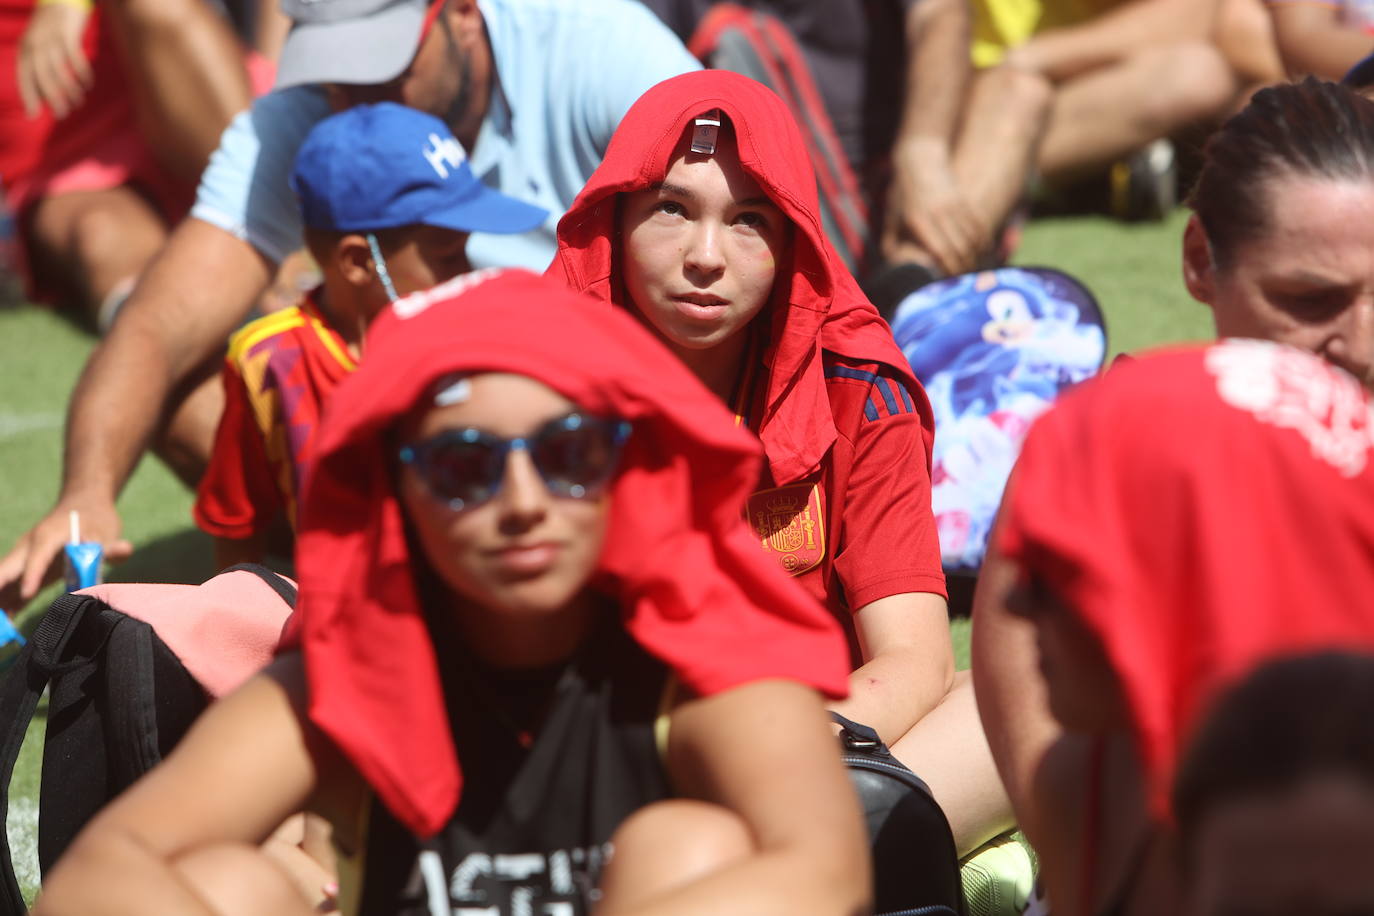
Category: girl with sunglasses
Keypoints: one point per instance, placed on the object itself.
(538, 663)
(702, 222)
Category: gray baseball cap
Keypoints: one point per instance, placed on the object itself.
(349, 41)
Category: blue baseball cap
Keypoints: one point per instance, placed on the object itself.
(385, 165)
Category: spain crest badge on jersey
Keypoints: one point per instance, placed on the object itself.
(790, 525)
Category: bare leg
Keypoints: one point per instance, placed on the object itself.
(185, 440)
(93, 241)
(269, 29)
(241, 881)
(948, 750)
(89, 242)
(1003, 122)
(1244, 33)
(187, 73)
(669, 844)
(1110, 112)
(296, 850)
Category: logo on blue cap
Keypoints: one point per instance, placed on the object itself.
(442, 151)
(383, 166)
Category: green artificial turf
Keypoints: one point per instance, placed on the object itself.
(41, 356)
(1133, 269)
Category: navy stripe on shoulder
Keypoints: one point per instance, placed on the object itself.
(846, 372)
(906, 397)
(887, 397)
(884, 388)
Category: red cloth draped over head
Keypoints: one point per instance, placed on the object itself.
(693, 586)
(1202, 510)
(816, 302)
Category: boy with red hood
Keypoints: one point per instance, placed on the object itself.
(703, 221)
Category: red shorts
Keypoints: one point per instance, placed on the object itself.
(96, 147)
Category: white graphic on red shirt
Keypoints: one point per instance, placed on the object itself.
(1291, 389)
(416, 303)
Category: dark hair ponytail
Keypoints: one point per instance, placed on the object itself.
(1310, 129)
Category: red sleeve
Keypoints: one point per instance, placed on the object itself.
(238, 496)
(889, 544)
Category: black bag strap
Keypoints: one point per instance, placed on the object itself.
(279, 583)
(131, 723)
(20, 689)
(858, 737)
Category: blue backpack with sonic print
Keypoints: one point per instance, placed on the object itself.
(993, 349)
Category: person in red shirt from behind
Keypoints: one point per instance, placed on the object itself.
(702, 220)
(388, 201)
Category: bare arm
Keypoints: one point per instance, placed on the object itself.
(926, 205)
(270, 28)
(187, 74)
(1312, 39)
(764, 751)
(1061, 54)
(243, 768)
(939, 70)
(1013, 702)
(200, 286)
(908, 663)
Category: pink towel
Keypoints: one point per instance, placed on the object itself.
(223, 631)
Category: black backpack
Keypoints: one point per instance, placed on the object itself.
(119, 699)
(915, 863)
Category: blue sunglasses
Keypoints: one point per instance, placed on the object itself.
(574, 454)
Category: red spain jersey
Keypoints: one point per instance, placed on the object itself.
(860, 528)
(279, 371)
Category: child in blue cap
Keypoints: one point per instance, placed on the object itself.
(388, 201)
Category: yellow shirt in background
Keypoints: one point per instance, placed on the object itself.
(1002, 24)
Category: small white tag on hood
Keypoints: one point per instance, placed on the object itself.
(706, 131)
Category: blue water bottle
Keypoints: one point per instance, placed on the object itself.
(82, 558)
(11, 641)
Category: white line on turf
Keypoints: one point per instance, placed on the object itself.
(22, 831)
(17, 424)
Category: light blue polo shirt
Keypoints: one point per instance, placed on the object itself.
(566, 73)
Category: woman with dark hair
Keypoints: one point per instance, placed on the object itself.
(1281, 247)
(1162, 529)
(1275, 794)
(1281, 242)
(538, 662)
